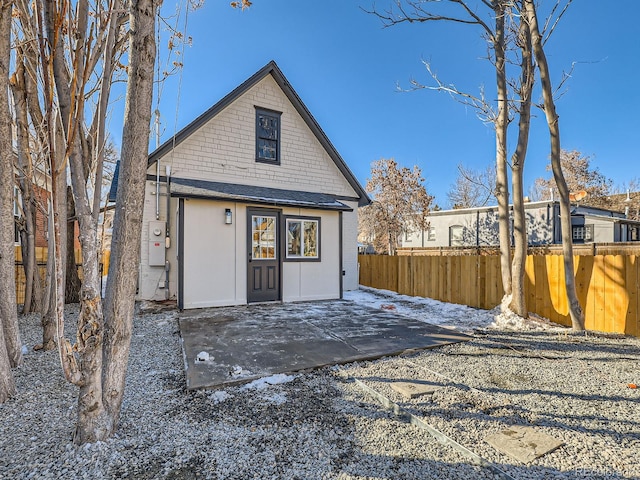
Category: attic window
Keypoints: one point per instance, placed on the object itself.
(267, 136)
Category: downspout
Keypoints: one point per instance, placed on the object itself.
(477, 228)
(167, 238)
(157, 125)
(549, 219)
(181, 254)
(340, 255)
(555, 219)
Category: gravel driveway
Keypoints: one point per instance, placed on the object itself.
(322, 425)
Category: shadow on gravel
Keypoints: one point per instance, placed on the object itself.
(545, 342)
(422, 465)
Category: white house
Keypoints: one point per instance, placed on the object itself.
(248, 203)
(478, 227)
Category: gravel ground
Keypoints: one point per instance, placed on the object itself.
(322, 425)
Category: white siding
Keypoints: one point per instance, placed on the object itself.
(350, 248)
(151, 278)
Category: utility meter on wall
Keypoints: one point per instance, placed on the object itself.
(157, 243)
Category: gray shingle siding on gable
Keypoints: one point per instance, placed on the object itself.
(270, 69)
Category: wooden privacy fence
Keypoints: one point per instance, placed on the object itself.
(41, 260)
(607, 284)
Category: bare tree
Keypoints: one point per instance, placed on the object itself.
(518, 302)
(10, 347)
(400, 204)
(472, 188)
(127, 226)
(575, 310)
(461, 12)
(579, 176)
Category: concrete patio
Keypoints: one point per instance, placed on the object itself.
(230, 345)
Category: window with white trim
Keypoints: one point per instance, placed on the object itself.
(582, 233)
(431, 234)
(456, 236)
(303, 238)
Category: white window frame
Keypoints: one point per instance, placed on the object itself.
(456, 242)
(582, 233)
(302, 254)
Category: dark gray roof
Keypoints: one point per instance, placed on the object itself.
(270, 69)
(189, 188)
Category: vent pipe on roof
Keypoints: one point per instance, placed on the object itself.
(626, 207)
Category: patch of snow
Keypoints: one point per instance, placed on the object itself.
(203, 357)
(262, 383)
(24, 350)
(449, 315)
(238, 371)
(276, 398)
(219, 396)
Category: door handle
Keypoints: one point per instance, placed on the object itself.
(250, 257)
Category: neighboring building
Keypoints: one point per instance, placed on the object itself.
(261, 205)
(621, 202)
(471, 227)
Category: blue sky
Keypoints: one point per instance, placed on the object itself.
(345, 66)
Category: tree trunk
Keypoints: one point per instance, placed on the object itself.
(575, 310)
(85, 370)
(501, 124)
(55, 271)
(33, 288)
(8, 314)
(48, 319)
(8, 311)
(518, 301)
(127, 226)
(7, 384)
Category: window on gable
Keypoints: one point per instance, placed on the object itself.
(267, 136)
(303, 238)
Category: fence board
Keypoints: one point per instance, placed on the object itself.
(616, 306)
(563, 317)
(598, 280)
(434, 270)
(632, 320)
(482, 283)
(583, 281)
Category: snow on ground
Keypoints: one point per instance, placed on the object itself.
(448, 315)
(262, 383)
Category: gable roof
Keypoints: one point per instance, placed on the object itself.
(269, 69)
